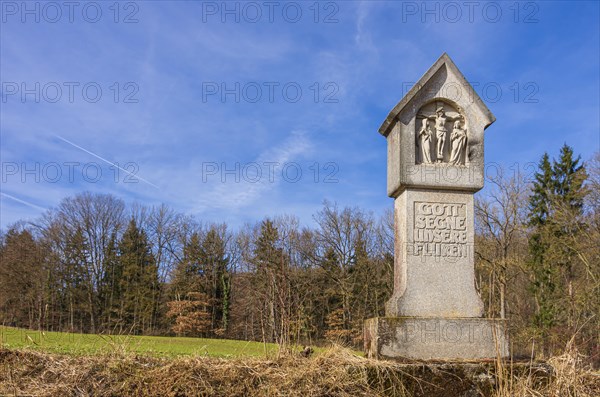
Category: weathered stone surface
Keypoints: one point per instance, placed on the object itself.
(434, 270)
(435, 165)
(443, 86)
(435, 338)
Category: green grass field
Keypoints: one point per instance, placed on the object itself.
(86, 344)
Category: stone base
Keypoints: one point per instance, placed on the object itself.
(447, 339)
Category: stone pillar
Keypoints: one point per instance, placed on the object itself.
(435, 165)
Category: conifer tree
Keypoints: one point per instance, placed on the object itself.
(73, 273)
(539, 208)
(555, 209)
(214, 262)
(110, 290)
(187, 273)
(565, 225)
(139, 282)
(568, 176)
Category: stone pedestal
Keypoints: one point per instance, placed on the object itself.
(435, 338)
(435, 165)
(434, 274)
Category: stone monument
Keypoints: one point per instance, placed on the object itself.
(434, 167)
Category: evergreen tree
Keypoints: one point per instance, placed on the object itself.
(73, 273)
(110, 290)
(542, 191)
(187, 273)
(543, 276)
(554, 209)
(139, 283)
(214, 262)
(568, 177)
(204, 270)
(565, 226)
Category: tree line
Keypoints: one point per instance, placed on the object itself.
(95, 265)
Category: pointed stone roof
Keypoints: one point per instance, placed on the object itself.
(444, 60)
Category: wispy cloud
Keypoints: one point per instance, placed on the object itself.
(236, 195)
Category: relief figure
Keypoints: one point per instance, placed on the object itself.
(426, 140)
(459, 142)
(440, 119)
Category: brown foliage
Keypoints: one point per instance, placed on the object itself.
(191, 316)
(337, 327)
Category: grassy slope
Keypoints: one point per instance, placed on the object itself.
(85, 344)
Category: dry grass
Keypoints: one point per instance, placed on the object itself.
(334, 372)
(561, 376)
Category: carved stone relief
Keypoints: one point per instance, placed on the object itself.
(441, 135)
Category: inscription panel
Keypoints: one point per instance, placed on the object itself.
(440, 229)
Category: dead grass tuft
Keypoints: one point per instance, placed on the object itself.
(560, 376)
(334, 372)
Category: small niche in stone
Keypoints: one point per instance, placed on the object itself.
(441, 135)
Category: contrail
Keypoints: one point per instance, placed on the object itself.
(23, 201)
(107, 161)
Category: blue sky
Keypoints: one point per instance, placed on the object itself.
(306, 87)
